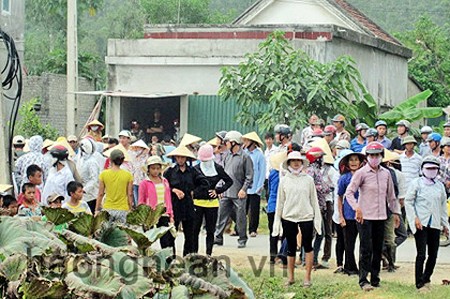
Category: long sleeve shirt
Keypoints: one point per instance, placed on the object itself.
(375, 190)
(297, 200)
(274, 181)
(239, 167)
(57, 183)
(259, 171)
(411, 166)
(428, 203)
(149, 196)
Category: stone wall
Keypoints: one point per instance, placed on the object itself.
(51, 90)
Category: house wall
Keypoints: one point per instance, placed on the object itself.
(51, 90)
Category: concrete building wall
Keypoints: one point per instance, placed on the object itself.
(51, 90)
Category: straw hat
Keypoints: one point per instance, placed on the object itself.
(140, 143)
(295, 156)
(323, 145)
(181, 151)
(276, 160)
(189, 139)
(5, 187)
(390, 156)
(120, 147)
(214, 141)
(346, 157)
(95, 122)
(253, 136)
(63, 141)
(152, 160)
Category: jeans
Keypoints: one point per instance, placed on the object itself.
(252, 208)
(227, 206)
(371, 237)
(135, 195)
(210, 216)
(350, 235)
(427, 237)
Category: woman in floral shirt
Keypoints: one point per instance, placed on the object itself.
(139, 153)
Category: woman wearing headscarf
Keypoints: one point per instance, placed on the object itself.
(185, 181)
(36, 157)
(206, 202)
(89, 170)
(139, 154)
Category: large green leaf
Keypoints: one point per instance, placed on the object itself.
(85, 244)
(39, 287)
(145, 216)
(431, 112)
(113, 236)
(413, 101)
(89, 280)
(58, 216)
(179, 292)
(28, 237)
(391, 116)
(86, 224)
(145, 240)
(14, 267)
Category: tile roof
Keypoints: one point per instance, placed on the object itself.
(364, 21)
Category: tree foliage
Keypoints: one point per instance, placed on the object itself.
(30, 124)
(279, 83)
(430, 64)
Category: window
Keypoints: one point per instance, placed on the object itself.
(6, 6)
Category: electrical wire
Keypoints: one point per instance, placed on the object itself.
(12, 82)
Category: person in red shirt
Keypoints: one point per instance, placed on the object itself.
(34, 175)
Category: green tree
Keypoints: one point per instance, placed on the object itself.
(279, 81)
(176, 11)
(30, 124)
(430, 64)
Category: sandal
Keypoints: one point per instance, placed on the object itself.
(307, 284)
(289, 283)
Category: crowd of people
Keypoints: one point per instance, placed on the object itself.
(327, 183)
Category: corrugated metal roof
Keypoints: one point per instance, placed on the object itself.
(209, 114)
(132, 94)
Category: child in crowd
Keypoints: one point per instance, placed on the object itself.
(34, 175)
(76, 204)
(55, 201)
(10, 204)
(155, 189)
(426, 211)
(30, 207)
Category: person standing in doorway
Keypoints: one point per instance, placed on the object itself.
(238, 165)
(156, 127)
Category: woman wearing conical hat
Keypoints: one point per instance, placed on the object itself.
(95, 129)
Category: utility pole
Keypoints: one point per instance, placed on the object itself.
(4, 148)
(72, 66)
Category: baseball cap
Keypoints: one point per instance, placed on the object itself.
(54, 197)
(72, 138)
(18, 139)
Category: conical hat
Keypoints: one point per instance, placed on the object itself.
(47, 143)
(140, 143)
(95, 122)
(63, 141)
(214, 141)
(119, 147)
(253, 136)
(323, 144)
(390, 156)
(189, 139)
(5, 187)
(277, 159)
(181, 151)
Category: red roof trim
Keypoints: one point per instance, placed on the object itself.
(325, 36)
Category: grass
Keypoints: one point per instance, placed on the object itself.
(329, 285)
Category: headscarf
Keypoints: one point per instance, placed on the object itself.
(208, 168)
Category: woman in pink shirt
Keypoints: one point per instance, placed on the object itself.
(155, 190)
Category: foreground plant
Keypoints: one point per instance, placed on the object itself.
(93, 258)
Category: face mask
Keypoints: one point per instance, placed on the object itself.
(374, 162)
(293, 171)
(94, 128)
(430, 173)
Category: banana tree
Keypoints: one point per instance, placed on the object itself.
(408, 110)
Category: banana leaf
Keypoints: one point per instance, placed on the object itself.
(145, 216)
(413, 101)
(58, 216)
(86, 224)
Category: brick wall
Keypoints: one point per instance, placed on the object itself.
(51, 89)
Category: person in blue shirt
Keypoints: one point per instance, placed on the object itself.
(253, 144)
(359, 142)
(273, 181)
(381, 127)
(348, 165)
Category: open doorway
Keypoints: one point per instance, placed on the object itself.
(143, 111)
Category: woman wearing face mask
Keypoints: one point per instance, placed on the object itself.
(89, 171)
(206, 202)
(376, 195)
(95, 130)
(297, 206)
(139, 153)
(426, 211)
